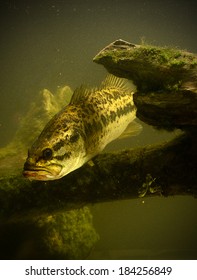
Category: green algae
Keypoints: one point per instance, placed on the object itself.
(168, 57)
(151, 68)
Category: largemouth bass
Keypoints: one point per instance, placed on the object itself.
(81, 130)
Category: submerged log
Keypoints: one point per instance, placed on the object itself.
(166, 81)
(165, 169)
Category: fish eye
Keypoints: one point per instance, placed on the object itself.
(47, 154)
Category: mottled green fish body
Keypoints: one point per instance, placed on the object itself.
(81, 130)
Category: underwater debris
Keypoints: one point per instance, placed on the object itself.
(149, 186)
(151, 68)
(166, 81)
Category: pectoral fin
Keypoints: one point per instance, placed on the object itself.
(133, 129)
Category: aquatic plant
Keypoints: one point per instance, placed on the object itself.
(40, 112)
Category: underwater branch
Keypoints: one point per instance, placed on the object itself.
(164, 170)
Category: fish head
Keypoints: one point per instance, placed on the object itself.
(51, 158)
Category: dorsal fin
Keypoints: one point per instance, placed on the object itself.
(110, 81)
(81, 93)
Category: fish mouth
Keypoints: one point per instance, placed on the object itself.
(42, 174)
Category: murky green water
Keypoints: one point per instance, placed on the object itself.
(161, 228)
(48, 44)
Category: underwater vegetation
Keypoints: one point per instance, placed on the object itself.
(41, 110)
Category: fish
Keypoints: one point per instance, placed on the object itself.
(82, 129)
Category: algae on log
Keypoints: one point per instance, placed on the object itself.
(166, 81)
(165, 169)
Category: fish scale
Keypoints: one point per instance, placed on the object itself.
(82, 129)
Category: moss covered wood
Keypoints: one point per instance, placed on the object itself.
(166, 80)
(168, 168)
